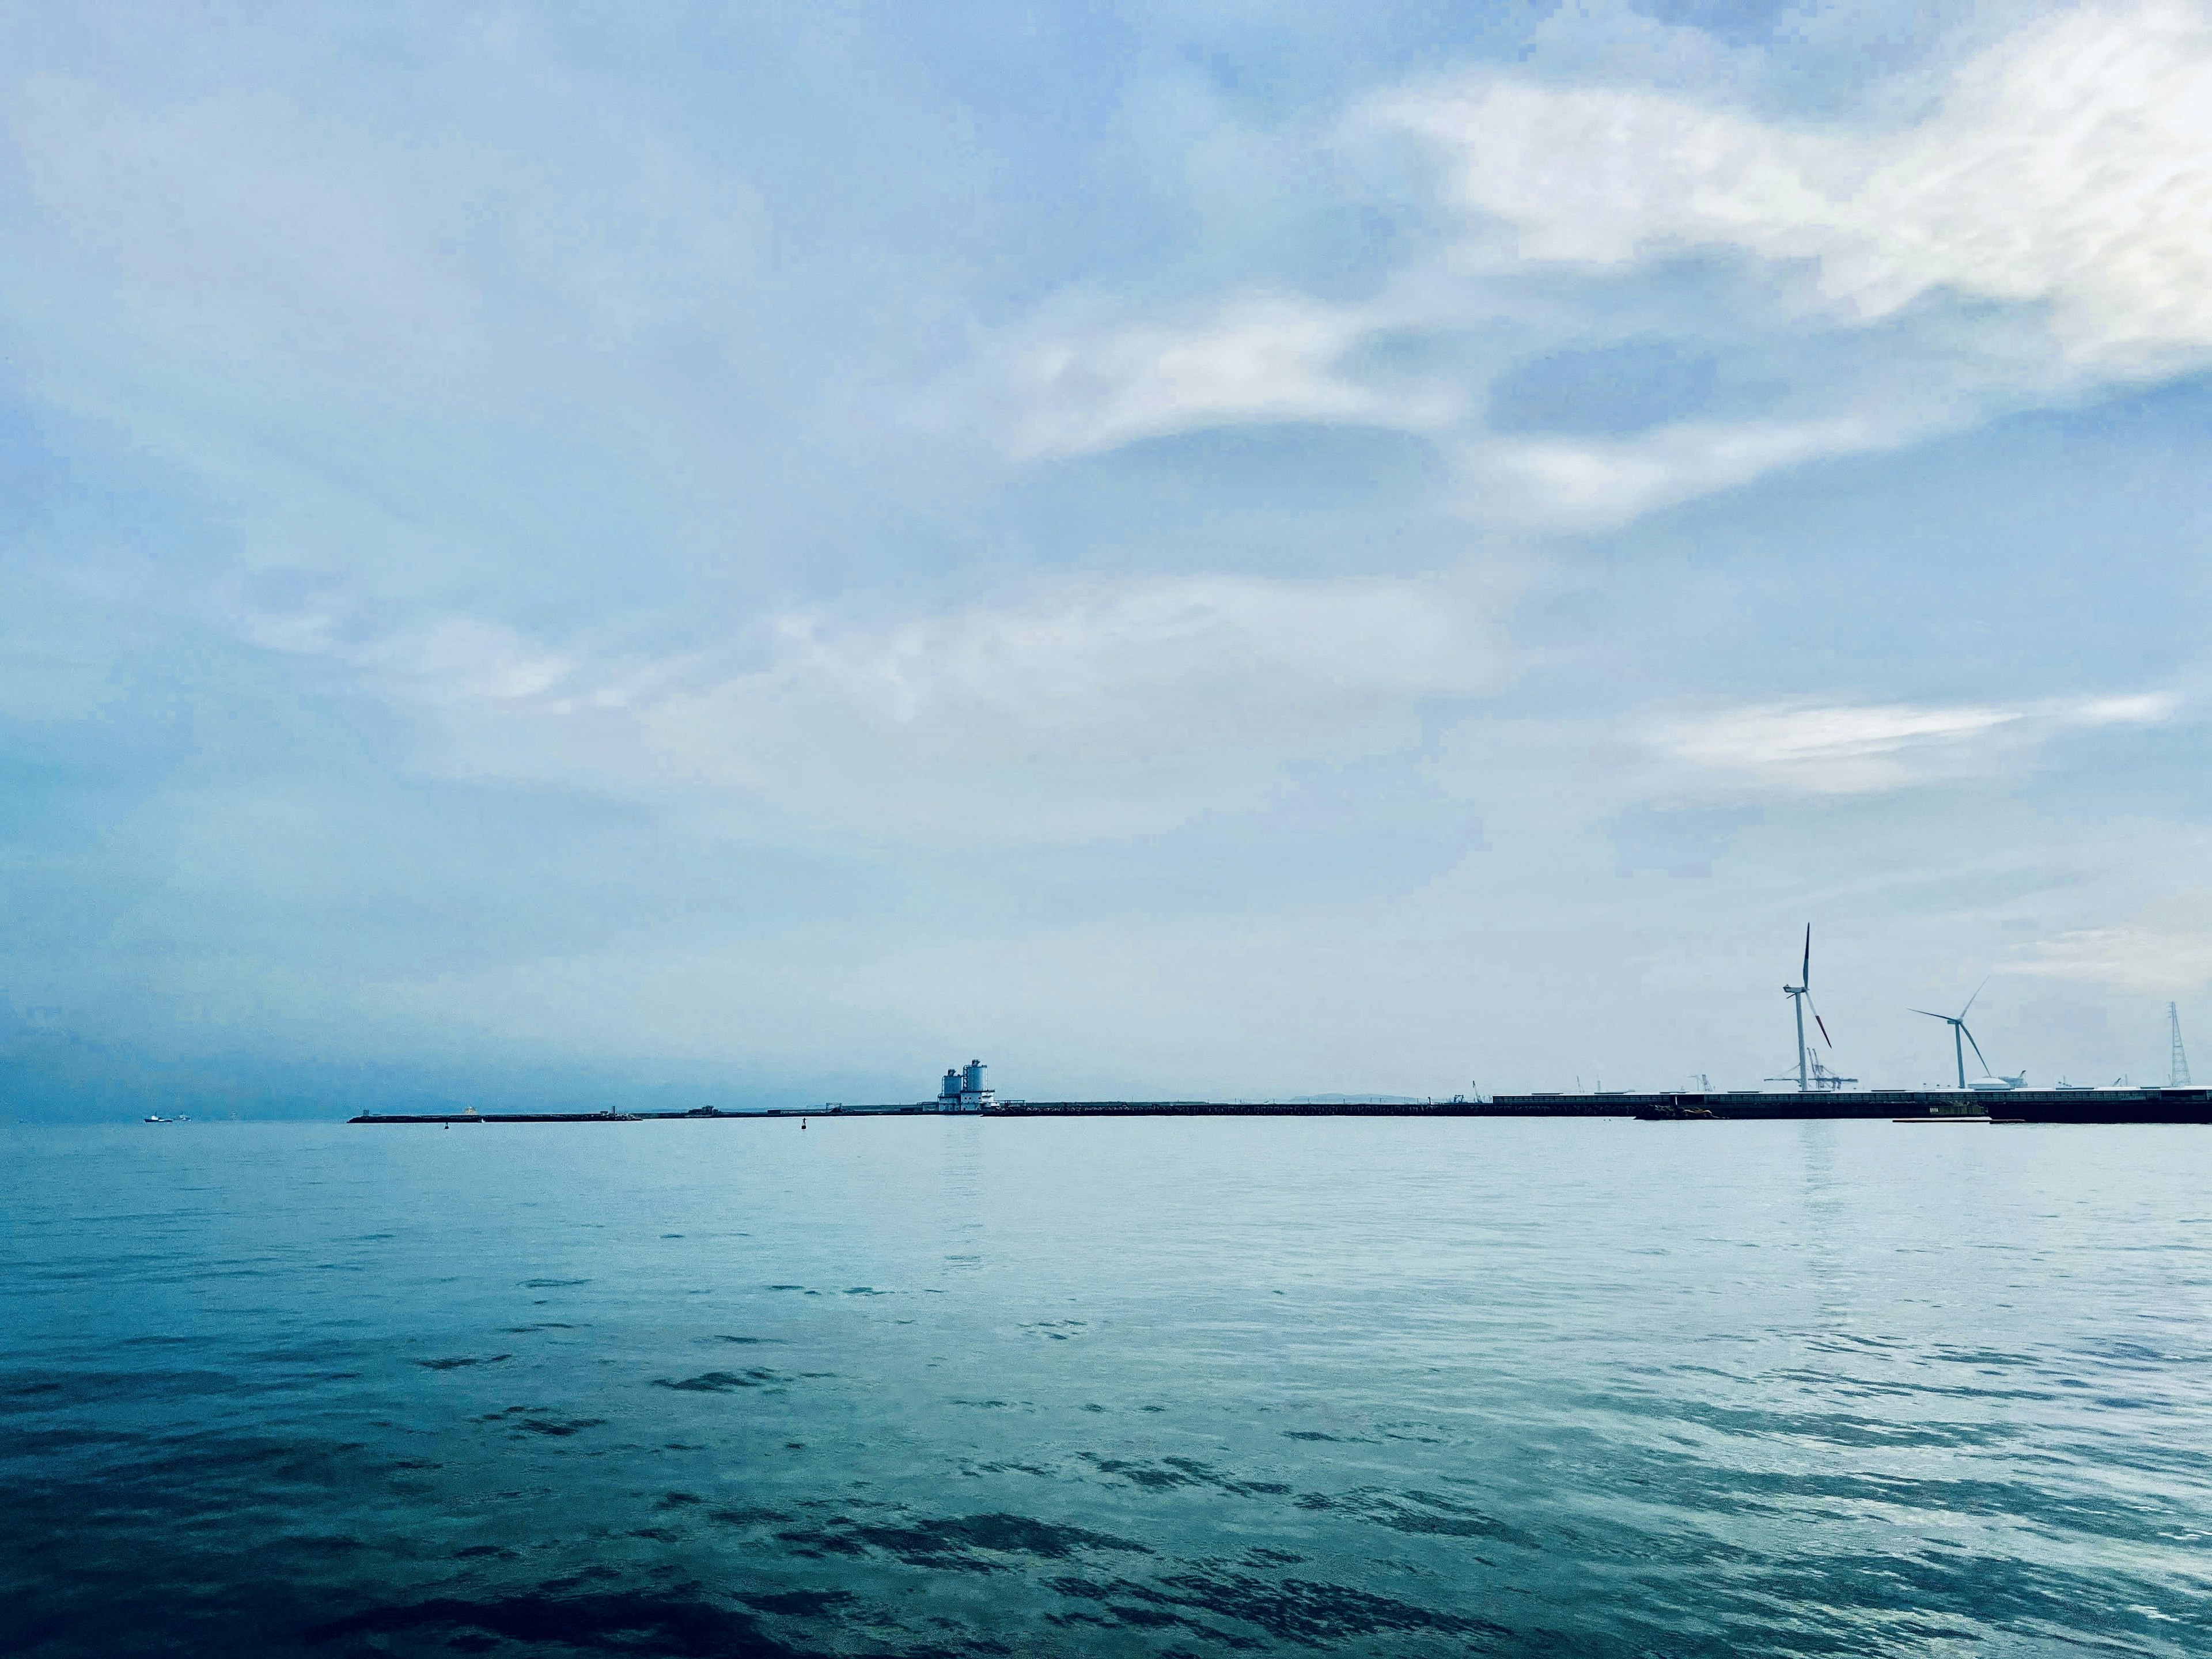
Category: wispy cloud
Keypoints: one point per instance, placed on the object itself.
(2069, 167)
(2142, 959)
(1095, 709)
(2035, 234)
(1869, 748)
(1268, 358)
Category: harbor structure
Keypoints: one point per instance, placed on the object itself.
(964, 1090)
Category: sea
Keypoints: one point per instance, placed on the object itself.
(961, 1386)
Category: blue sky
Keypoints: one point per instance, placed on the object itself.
(597, 554)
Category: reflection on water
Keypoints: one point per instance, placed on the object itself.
(1174, 1386)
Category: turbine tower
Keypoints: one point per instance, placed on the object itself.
(1799, 995)
(2177, 1074)
(1957, 1023)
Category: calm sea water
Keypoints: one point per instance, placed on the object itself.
(1176, 1387)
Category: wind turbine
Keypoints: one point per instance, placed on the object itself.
(1957, 1023)
(1799, 995)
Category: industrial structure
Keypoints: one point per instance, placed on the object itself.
(964, 1090)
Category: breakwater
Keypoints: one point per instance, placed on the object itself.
(2112, 1106)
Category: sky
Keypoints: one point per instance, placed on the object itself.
(656, 555)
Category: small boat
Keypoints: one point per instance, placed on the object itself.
(154, 1117)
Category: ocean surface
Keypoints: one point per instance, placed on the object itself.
(943, 1386)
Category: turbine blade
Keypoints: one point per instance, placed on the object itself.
(1978, 989)
(1805, 974)
(1977, 1050)
(1823, 1025)
(1924, 1010)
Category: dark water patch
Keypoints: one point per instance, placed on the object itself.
(560, 1428)
(487, 1552)
(460, 1361)
(1171, 1472)
(1306, 1612)
(814, 1543)
(678, 1500)
(749, 1341)
(1418, 1512)
(721, 1381)
(182, 1470)
(1314, 1434)
(1156, 1477)
(1057, 1330)
(324, 1544)
(542, 1325)
(40, 1390)
(690, 1627)
(739, 1514)
(658, 1534)
(799, 1604)
(868, 1290)
(553, 1284)
(974, 1543)
(539, 1419)
(1315, 1613)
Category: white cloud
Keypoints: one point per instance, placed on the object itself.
(1097, 709)
(1870, 748)
(1594, 483)
(1264, 358)
(2062, 181)
(2070, 167)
